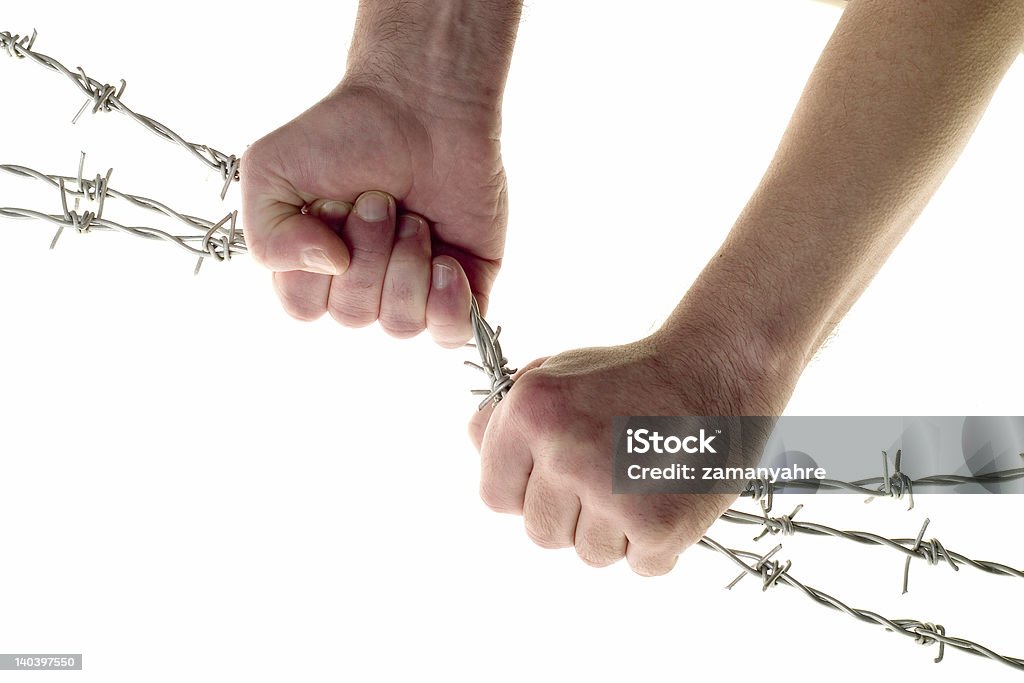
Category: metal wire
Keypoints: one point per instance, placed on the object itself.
(772, 573)
(894, 485)
(492, 362)
(932, 551)
(222, 239)
(218, 240)
(105, 97)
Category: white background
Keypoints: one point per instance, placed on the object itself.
(194, 485)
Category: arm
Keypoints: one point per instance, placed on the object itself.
(452, 52)
(416, 118)
(889, 106)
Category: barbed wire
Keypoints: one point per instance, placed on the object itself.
(218, 240)
(493, 363)
(105, 97)
(772, 573)
(932, 551)
(895, 484)
(892, 485)
(222, 239)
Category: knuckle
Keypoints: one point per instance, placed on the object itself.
(495, 501)
(663, 521)
(542, 406)
(595, 557)
(656, 534)
(449, 335)
(350, 318)
(400, 326)
(351, 313)
(300, 305)
(597, 549)
(544, 538)
(651, 566)
(306, 314)
(543, 529)
(401, 329)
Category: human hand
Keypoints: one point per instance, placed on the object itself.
(365, 256)
(545, 449)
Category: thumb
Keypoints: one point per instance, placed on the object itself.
(279, 233)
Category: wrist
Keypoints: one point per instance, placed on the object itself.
(449, 58)
(738, 328)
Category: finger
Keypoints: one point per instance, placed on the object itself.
(598, 541)
(369, 233)
(550, 513)
(448, 303)
(333, 213)
(403, 303)
(651, 560)
(303, 295)
(278, 234)
(478, 425)
(505, 465)
(480, 420)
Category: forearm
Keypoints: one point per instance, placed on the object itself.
(453, 53)
(887, 110)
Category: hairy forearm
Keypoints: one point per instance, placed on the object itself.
(450, 52)
(887, 110)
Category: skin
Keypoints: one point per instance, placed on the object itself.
(887, 110)
(417, 122)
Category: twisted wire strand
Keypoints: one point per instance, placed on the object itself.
(105, 97)
(892, 485)
(492, 363)
(932, 551)
(772, 573)
(218, 240)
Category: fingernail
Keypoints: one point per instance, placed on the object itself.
(335, 210)
(317, 261)
(408, 226)
(372, 207)
(442, 275)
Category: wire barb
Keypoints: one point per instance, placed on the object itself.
(772, 573)
(105, 97)
(762, 491)
(222, 239)
(492, 362)
(895, 486)
(931, 551)
(783, 524)
(898, 484)
(218, 240)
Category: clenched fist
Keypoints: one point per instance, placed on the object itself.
(334, 203)
(546, 449)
